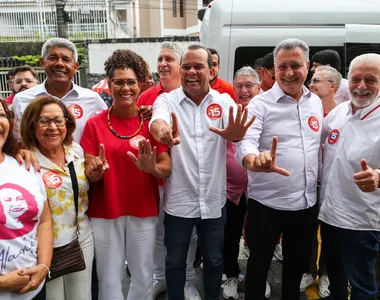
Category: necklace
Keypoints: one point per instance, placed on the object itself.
(119, 135)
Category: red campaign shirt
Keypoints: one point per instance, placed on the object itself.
(9, 99)
(223, 87)
(150, 95)
(124, 190)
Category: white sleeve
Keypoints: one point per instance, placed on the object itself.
(250, 143)
(99, 104)
(161, 110)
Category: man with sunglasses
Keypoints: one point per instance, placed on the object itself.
(329, 57)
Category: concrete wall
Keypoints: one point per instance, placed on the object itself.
(99, 50)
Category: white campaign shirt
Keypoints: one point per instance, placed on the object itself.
(341, 94)
(297, 124)
(22, 196)
(349, 139)
(83, 104)
(197, 185)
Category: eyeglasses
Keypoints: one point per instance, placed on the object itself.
(132, 83)
(271, 74)
(318, 80)
(248, 86)
(45, 122)
(27, 80)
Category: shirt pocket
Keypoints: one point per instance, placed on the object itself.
(361, 148)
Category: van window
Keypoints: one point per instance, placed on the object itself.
(355, 49)
(246, 56)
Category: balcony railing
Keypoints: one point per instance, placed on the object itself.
(35, 20)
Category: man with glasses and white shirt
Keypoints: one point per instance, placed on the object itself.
(280, 151)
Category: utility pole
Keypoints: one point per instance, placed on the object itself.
(61, 20)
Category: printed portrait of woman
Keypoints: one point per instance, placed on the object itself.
(18, 211)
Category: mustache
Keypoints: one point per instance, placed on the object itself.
(362, 92)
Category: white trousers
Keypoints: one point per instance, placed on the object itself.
(75, 285)
(160, 252)
(123, 238)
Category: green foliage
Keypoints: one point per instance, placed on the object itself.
(31, 60)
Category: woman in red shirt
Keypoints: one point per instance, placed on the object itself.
(122, 163)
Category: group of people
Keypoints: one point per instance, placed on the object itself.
(192, 161)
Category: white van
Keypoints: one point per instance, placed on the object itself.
(244, 30)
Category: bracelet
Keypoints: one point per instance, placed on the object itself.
(46, 269)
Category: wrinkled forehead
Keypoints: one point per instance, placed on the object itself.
(243, 78)
(365, 70)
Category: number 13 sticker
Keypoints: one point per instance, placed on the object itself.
(214, 111)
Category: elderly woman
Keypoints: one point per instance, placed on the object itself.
(26, 237)
(123, 166)
(47, 129)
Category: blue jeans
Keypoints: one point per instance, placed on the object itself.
(350, 255)
(177, 238)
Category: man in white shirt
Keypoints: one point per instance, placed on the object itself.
(329, 57)
(195, 193)
(282, 200)
(59, 59)
(350, 191)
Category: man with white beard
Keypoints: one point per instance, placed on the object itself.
(350, 192)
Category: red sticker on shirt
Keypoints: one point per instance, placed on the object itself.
(314, 123)
(76, 110)
(52, 180)
(214, 111)
(134, 142)
(333, 136)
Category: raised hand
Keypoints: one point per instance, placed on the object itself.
(99, 164)
(237, 128)
(146, 160)
(37, 274)
(266, 161)
(367, 179)
(169, 135)
(146, 111)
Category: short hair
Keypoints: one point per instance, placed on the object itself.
(197, 47)
(214, 52)
(126, 59)
(10, 73)
(327, 57)
(268, 61)
(331, 74)
(290, 44)
(258, 63)
(60, 43)
(249, 71)
(32, 113)
(370, 59)
(12, 145)
(26, 68)
(178, 51)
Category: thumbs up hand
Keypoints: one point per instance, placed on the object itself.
(367, 179)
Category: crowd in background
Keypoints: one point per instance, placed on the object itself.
(170, 175)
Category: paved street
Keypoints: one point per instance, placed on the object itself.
(274, 281)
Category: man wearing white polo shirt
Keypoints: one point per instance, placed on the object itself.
(350, 193)
(187, 119)
(281, 152)
(59, 59)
